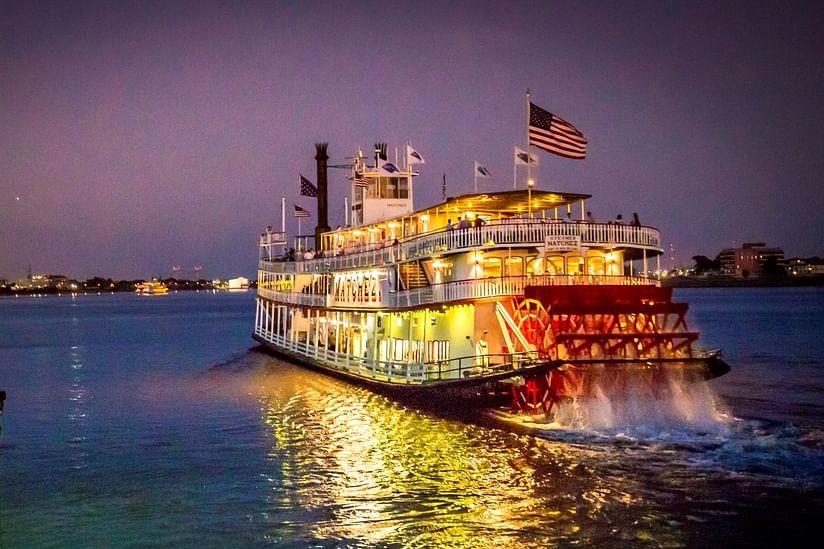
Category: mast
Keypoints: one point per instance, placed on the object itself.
(283, 222)
(529, 181)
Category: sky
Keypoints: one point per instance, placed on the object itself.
(138, 136)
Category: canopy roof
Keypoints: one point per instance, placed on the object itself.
(507, 202)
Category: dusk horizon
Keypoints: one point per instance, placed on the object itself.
(138, 137)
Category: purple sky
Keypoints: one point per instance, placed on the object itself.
(143, 135)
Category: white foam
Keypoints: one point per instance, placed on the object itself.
(672, 403)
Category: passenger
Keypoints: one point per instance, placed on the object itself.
(635, 221)
(449, 226)
(619, 220)
(590, 217)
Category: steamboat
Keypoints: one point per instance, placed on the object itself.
(515, 296)
(151, 287)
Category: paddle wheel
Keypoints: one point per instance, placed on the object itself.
(598, 336)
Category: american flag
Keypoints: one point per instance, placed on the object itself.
(307, 188)
(360, 180)
(300, 212)
(555, 135)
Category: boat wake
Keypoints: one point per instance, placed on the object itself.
(676, 403)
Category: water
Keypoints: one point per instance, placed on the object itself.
(148, 422)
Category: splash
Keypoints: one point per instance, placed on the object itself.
(673, 402)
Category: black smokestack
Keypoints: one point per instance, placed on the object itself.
(380, 153)
(323, 218)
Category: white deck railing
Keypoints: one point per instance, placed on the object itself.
(459, 290)
(523, 233)
(402, 372)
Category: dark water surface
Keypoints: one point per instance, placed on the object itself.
(149, 422)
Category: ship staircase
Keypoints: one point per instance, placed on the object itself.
(412, 275)
(608, 338)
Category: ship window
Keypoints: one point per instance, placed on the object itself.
(390, 187)
(534, 265)
(515, 266)
(492, 266)
(596, 266)
(555, 265)
(575, 265)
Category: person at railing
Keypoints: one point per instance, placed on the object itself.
(449, 226)
(590, 217)
(619, 219)
(635, 221)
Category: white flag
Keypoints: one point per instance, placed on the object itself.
(521, 157)
(480, 171)
(413, 157)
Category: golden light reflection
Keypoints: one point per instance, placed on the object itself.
(348, 464)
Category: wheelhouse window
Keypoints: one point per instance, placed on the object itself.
(389, 187)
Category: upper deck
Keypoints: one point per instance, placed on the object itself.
(508, 219)
(635, 241)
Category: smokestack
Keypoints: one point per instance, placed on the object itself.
(380, 153)
(323, 219)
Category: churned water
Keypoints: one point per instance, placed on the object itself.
(149, 422)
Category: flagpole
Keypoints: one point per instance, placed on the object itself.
(300, 231)
(283, 221)
(528, 164)
(476, 177)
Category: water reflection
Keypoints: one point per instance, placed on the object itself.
(78, 409)
(350, 466)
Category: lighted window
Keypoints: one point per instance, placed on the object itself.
(514, 266)
(575, 265)
(492, 266)
(555, 265)
(597, 266)
(535, 265)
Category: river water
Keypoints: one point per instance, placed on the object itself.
(152, 422)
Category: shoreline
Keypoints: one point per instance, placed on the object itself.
(718, 282)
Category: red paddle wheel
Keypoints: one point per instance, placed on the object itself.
(597, 334)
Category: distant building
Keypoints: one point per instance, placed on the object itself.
(798, 266)
(238, 284)
(748, 260)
